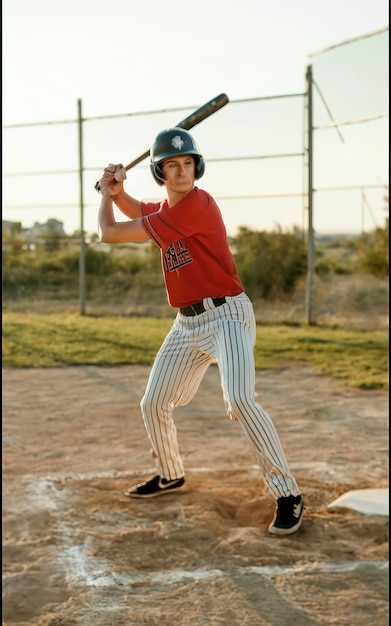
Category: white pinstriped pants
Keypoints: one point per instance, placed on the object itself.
(226, 335)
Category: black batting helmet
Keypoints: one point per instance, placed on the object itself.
(174, 142)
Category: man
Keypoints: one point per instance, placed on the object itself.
(215, 321)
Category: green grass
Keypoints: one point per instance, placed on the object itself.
(358, 358)
(55, 340)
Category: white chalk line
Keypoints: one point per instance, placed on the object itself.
(83, 569)
(94, 572)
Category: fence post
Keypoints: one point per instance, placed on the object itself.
(310, 231)
(82, 256)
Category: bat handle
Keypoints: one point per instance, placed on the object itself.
(195, 118)
(97, 185)
(138, 160)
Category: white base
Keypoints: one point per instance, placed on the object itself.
(367, 501)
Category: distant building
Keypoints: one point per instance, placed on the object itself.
(51, 227)
(11, 228)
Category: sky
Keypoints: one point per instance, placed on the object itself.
(134, 56)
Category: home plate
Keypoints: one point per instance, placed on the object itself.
(367, 501)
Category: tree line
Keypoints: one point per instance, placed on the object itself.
(270, 264)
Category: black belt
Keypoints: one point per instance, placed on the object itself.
(198, 307)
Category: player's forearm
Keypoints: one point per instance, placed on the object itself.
(127, 205)
(111, 231)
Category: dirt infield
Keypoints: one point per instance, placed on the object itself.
(76, 551)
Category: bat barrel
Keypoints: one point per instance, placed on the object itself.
(189, 122)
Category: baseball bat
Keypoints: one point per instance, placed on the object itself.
(205, 111)
(192, 120)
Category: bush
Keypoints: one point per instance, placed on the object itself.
(372, 249)
(270, 264)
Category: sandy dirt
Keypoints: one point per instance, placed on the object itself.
(76, 551)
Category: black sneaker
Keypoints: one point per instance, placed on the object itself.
(155, 486)
(289, 515)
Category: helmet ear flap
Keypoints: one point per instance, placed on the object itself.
(157, 173)
(199, 167)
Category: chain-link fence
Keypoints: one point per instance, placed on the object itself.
(351, 104)
(246, 145)
(270, 161)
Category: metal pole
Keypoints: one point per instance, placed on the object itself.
(362, 211)
(310, 250)
(304, 177)
(82, 257)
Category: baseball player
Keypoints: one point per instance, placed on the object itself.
(215, 321)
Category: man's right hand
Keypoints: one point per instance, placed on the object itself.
(111, 179)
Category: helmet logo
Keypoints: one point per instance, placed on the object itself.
(177, 142)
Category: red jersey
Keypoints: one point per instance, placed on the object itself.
(196, 260)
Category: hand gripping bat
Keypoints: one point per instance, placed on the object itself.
(195, 118)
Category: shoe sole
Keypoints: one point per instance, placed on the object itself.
(273, 530)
